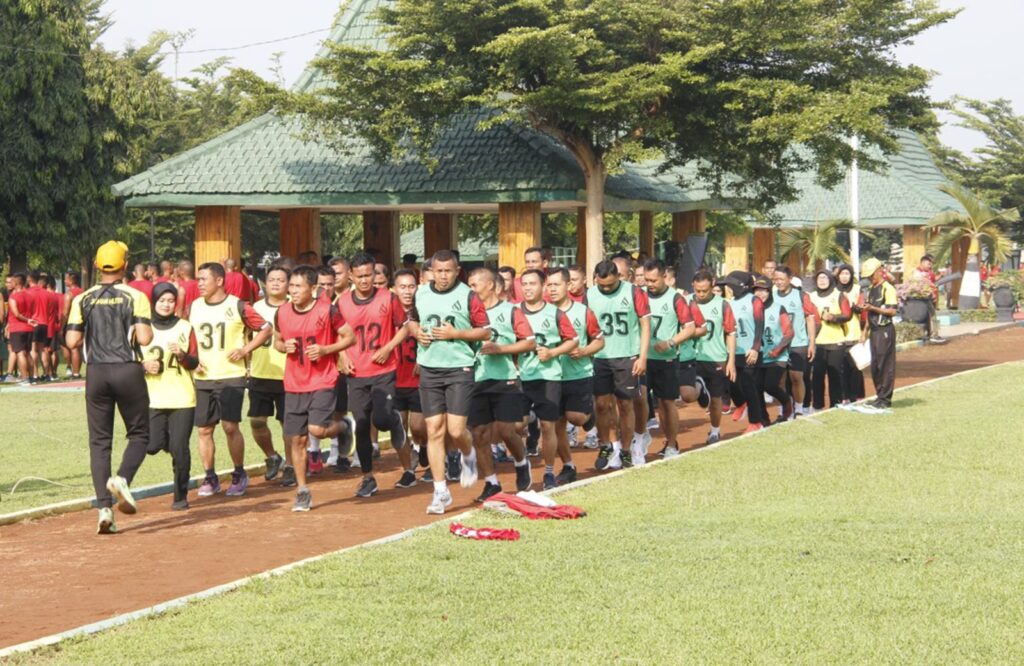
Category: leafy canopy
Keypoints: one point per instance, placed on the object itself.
(982, 224)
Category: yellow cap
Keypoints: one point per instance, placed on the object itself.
(112, 256)
(868, 268)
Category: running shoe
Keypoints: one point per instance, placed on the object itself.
(549, 481)
(118, 487)
(343, 465)
(603, 456)
(645, 442)
(239, 482)
(346, 443)
(625, 460)
(636, 454)
(453, 466)
(368, 487)
(532, 448)
(524, 478)
(567, 475)
(726, 409)
(652, 424)
(211, 486)
(670, 452)
(288, 479)
(468, 475)
(501, 454)
(428, 476)
(313, 463)
(490, 490)
(753, 427)
(303, 501)
(179, 505)
(572, 432)
(703, 395)
(274, 464)
(106, 524)
(408, 480)
(713, 438)
(424, 460)
(591, 441)
(441, 500)
(376, 451)
(739, 413)
(936, 340)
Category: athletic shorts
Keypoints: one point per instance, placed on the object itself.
(577, 396)
(663, 378)
(545, 397)
(615, 376)
(798, 359)
(56, 341)
(496, 400)
(219, 404)
(341, 394)
(266, 398)
(688, 374)
(41, 336)
(361, 391)
(713, 375)
(407, 399)
(446, 391)
(21, 342)
(302, 410)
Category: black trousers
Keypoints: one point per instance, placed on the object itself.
(828, 362)
(372, 401)
(769, 380)
(170, 430)
(853, 378)
(744, 390)
(120, 385)
(883, 362)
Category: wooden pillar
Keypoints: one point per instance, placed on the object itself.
(764, 247)
(913, 248)
(690, 222)
(300, 231)
(380, 232)
(797, 262)
(218, 233)
(581, 236)
(647, 232)
(440, 232)
(518, 229)
(958, 264)
(736, 252)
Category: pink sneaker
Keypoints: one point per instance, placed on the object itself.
(211, 486)
(239, 482)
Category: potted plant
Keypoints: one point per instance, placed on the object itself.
(916, 294)
(1005, 288)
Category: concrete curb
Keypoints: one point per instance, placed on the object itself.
(179, 602)
(903, 346)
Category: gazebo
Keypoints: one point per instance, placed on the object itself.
(269, 164)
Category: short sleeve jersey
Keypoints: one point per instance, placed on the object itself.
(618, 314)
(584, 322)
(688, 350)
(406, 376)
(374, 321)
(882, 296)
(317, 326)
(669, 313)
(461, 308)
(221, 328)
(25, 302)
(551, 327)
(718, 319)
(267, 362)
(508, 325)
(105, 315)
(172, 387)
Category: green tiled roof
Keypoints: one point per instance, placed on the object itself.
(905, 194)
(469, 250)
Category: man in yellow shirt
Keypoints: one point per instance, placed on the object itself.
(266, 375)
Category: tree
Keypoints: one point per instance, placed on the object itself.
(983, 226)
(728, 85)
(818, 244)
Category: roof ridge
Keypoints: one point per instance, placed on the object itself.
(340, 29)
(121, 188)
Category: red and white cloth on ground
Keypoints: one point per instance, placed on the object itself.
(520, 505)
(483, 533)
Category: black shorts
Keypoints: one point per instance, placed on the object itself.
(798, 359)
(302, 410)
(496, 400)
(341, 394)
(219, 404)
(266, 398)
(713, 375)
(663, 378)
(21, 342)
(615, 376)
(365, 392)
(446, 391)
(407, 399)
(39, 336)
(577, 396)
(545, 397)
(687, 374)
(56, 342)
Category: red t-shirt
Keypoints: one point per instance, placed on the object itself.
(191, 293)
(375, 322)
(162, 279)
(54, 312)
(25, 301)
(317, 326)
(406, 376)
(40, 304)
(238, 285)
(577, 298)
(145, 286)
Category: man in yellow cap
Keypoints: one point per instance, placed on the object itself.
(110, 321)
(880, 305)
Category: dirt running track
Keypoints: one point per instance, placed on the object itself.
(57, 574)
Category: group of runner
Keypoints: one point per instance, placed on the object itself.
(462, 373)
(34, 314)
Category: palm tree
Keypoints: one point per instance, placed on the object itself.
(983, 225)
(816, 245)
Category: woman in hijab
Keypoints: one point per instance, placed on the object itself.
(775, 340)
(168, 361)
(853, 378)
(748, 312)
(834, 314)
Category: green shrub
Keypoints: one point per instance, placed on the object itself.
(985, 315)
(908, 332)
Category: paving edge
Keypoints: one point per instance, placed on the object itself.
(179, 602)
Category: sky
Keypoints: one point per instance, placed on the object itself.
(974, 55)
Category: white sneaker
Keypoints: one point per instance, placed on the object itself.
(652, 423)
(468, 475)
(645, 441)
(106, 523)
(614, 461)
(636, 453)
(441, 501)
(572, 432)
(768, 400)
(591, 441)
(671, 452)
(118, 487)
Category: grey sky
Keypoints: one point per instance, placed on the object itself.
(975, 55)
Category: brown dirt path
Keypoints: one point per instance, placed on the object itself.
(57, 574)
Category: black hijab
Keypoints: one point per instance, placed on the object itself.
(831, 283)
(161, 288)
(845, 288)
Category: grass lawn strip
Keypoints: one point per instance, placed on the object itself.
(871, 538)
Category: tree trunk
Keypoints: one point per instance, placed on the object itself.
(595, 175)
(970, 285)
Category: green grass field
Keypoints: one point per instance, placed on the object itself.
(44, 435)
(847, 538)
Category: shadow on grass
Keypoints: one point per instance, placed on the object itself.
(902, 403)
